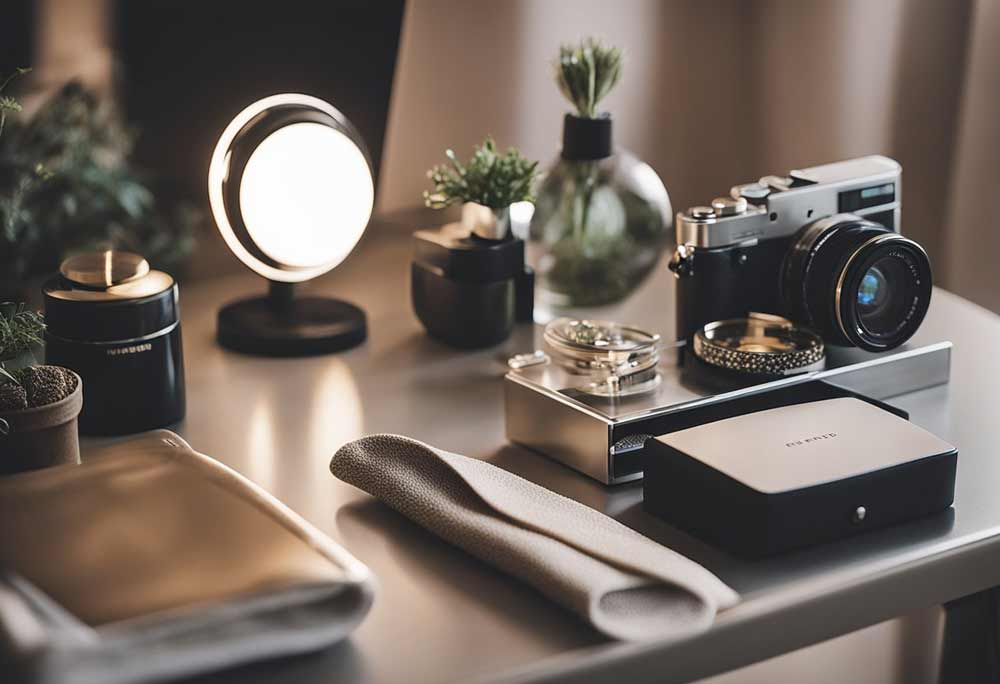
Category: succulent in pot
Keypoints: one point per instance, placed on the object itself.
(39, 405)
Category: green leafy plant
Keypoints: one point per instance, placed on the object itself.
(66, 185)
(489, 178)
(586, 72)
(8, 105)
(20, 332)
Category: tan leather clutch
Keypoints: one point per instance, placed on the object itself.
(153, 560)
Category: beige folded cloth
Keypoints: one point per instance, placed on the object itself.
(624, 584)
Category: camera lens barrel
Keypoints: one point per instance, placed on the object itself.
(856, 282)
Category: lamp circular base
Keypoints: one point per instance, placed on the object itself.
(307, 326)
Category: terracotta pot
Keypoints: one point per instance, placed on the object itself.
(40, 437)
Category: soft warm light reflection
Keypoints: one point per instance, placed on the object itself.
(652, 187)
(306, 195)
(335, 415)
(260, 444)
(109, 279)
(335, 418)
(520, 218)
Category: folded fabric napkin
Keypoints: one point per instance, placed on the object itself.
(624, 584)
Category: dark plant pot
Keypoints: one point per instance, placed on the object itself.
(40, 437)
(469, 291)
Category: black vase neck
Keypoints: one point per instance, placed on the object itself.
(586, 139)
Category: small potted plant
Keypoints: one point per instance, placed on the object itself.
(39, 405)
(601, 216)
(487, 185)
(469, 284)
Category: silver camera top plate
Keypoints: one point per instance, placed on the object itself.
(778, 206)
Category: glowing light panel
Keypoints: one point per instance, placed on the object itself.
(306, 195)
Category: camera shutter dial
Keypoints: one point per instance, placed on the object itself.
(755, 193)
(728, 206)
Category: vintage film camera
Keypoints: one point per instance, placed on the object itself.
(820, 246)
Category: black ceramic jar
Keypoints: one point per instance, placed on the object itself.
(117, 324)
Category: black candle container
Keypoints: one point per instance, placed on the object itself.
(117, 324)
(469, 291)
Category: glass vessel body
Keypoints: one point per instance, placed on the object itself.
(598, 229)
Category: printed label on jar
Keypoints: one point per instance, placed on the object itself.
(131, 349)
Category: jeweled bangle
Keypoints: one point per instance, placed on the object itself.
(760, 345)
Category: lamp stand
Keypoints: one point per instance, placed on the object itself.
(281, 324)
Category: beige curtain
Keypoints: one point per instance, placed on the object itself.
(972, 225)
(724, 91)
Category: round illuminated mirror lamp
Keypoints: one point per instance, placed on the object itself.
(291, 190)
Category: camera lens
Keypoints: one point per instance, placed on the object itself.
(871, 293)
(880, 305)
(856, 282)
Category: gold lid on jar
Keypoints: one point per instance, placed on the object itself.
(101, 270)
(108, 275)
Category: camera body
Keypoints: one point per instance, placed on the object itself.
(820, 246)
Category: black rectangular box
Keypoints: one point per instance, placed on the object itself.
(787, 477)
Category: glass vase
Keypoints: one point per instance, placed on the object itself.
(598, 229)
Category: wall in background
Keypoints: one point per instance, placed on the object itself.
(467, 69)
(73, 40)
(973, 226)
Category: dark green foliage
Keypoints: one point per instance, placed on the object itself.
(12, 397)
(66, 185)
(9, 105)
(20, 330)
(586, 72)
(489, 178)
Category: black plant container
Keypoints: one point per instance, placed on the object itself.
(468, 291)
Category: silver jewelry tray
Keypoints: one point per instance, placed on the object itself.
(598, 436)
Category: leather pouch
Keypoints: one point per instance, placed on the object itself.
(151, 561)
